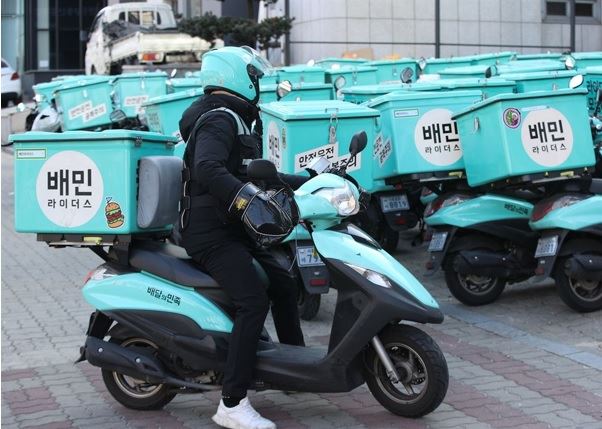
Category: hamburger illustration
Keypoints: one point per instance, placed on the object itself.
(113, 213)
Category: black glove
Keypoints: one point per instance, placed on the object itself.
(239, 203)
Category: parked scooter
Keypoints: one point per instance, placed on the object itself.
(168, 323)
(570, 246)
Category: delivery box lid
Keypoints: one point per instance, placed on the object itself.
(400, 61)
(189, 93)
(464, 70)
(140, 75)
(185, 81)
(77, 83)
(596, 55)
(594, 70)
(412, 96)
(91, 136)
(521, 96)
(323, 109)
(350, 69)
(536, 75)
(301, 68)
(473, 82)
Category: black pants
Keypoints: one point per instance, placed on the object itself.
(230, 263)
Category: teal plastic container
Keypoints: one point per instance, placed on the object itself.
(528, 67)
(44, 92)
(354, 75)
(489, 87)
(81, 182)
(163, 113)
(476, 72)
(435, 65)
(302, 74)
(183, 84)
(270, 79)
(390, 70)
(84, 104)
(418, 135)
(543, 56)
(363, 93)
(131, 90)
(593, 82)
(540, 81)
(525, 134)
(494, 58)
(588, 59)
(295, 133)
(300, 92)
(327, 63)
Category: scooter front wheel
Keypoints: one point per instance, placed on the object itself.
(580, 294)
(133, 393)
(421, 367)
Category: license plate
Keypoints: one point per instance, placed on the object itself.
(394, 203)
(437, 242)
(546, 246)
(308, 256)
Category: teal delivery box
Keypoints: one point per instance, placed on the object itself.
(489, 87)
(494, 58)
(84, 104)
(540, 81)
(478, 71)
(301, 92)
(587, 59)
(521, 135)
(295, 133)
(81, 182)
(390, 70)
(163, 113)
(363, 93)
(418, 137)
(353, 75)
(301, 74)
(593, 82)
(133, 89)
(435, 65)
(327, 63)
(44, 93)
(183, 84)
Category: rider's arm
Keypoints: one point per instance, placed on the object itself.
(214, 141)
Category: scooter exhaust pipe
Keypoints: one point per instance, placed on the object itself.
(587, 267)
(135, 364)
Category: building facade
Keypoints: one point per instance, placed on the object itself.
(407, 27)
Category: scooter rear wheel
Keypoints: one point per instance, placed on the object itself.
(421, 367)
(581, 295)
(473, 290)
(308, 304)
(133, 393)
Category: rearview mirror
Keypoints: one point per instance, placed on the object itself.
(570, 63)
(262, 169)
(173, 73)
(576, 81)
(422, 63)
(359, 141)
(311, 63)
(117, 116)
(406, 75)
(340, 82)
(283, 89)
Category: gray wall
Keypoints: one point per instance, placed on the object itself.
(406, 28)
(13, 35)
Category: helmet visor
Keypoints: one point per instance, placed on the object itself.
(255, 59)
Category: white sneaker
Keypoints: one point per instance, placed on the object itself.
(243, 416)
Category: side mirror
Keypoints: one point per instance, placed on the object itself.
(262, 169)
(359, 141)
(283, 89)
(406, 75)
(570, 62)
(422, 63)
(340, 82)
(576, 81)
(117, 116)
(173, 73)
(311, 63)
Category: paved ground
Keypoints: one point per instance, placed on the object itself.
(526, 361)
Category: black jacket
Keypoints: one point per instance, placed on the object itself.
(214, 156)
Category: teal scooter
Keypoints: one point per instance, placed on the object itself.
(161, 326)
(481, 240)
(570, 246)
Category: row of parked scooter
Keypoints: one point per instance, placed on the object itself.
(415, 113)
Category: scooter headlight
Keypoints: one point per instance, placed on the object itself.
(372, 276)
(342, 199)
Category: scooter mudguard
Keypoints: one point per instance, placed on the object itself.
(482, 209)
(357, 248)
(142, 291)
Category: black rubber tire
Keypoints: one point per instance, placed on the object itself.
(569, 296)
(435, 368)
(158, 400)
(464, 295)
(387, 237)
(308, 304)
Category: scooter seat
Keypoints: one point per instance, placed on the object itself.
(169, 262)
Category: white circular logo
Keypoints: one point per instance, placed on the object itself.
(547, 137)
(436, 138)
(69, 189)
(274, 145)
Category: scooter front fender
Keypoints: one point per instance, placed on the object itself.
(352, 246)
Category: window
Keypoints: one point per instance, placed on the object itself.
(121, 16)
(586, 11)
(148, 18)
(134, 17)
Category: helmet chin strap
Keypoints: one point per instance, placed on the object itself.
(255, 82)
